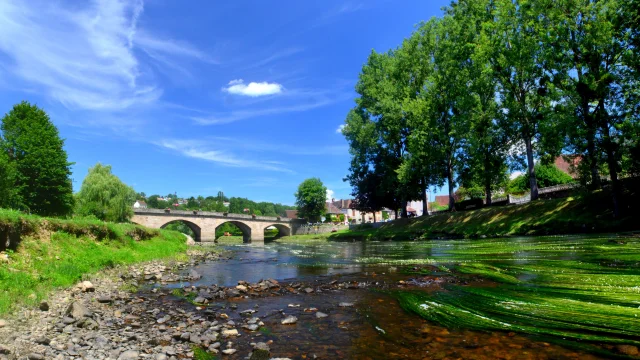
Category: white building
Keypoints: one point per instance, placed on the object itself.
(139, 204)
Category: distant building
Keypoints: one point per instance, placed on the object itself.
(291, 214)
(226, 203)
(442, 200)
(347, 207)
(139, 204)
(415, 208)
(568, 164)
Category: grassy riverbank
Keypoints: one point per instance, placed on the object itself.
(48, 253)
(574, 215)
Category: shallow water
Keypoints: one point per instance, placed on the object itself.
(601, 270)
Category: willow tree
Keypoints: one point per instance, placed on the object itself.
(104, 196)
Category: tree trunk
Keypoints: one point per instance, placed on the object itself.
(452, 200)
(613, 171)
(593, 161)
(374, 217)
(396, 212)
(533, 183)
(404, 209)
(425, 203)
(487, 190)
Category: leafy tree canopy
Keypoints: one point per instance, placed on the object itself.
(35, 150)
(104, 196)
(311, 199)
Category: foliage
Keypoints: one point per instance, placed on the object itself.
(72, 249)
(311, 199)
(8, 197)
(498, 84)
(104, 196)
(547, 175)
(35, 150)
(228, 228)
(385, 215)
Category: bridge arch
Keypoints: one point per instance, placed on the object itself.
(194, 227)
(283, 230)
(246, 229)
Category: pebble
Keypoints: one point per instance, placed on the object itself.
(289, 320)
(34, 356)
(321, 315)
(230, 332)
(44, 306)
(229, 351)
(129, 355)
(3, 323)
(345, 304)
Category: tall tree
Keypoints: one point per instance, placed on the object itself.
(311, 199)
(483, 159)
(511, 43)
(7, 182)
(104, 196)
(35, 149)
(588, 43)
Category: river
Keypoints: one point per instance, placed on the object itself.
(565, 297)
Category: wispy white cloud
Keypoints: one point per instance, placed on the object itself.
(233, 116)
(312, 100)
(83, 57)
(340, 128)
(275, 56)
(252, 89)
(250, 144)
(200, 150)
(330, 194)
(333, 13)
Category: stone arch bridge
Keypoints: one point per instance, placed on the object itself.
(204, 223)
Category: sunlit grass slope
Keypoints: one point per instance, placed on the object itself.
(47, 253)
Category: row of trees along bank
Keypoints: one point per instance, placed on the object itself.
(494, 85)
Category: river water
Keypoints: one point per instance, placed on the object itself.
(377, 327)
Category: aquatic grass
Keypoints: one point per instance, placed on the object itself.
(576, 289)
(201, 354)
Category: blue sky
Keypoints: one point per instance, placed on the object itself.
(244, 97)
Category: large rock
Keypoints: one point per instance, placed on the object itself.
(78, 311)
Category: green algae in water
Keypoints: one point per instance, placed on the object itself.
(201, 354)
(577, 292)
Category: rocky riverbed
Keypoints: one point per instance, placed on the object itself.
(142, 312)
(163, 310)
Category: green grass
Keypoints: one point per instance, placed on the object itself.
(55, 253)
(586, 213)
